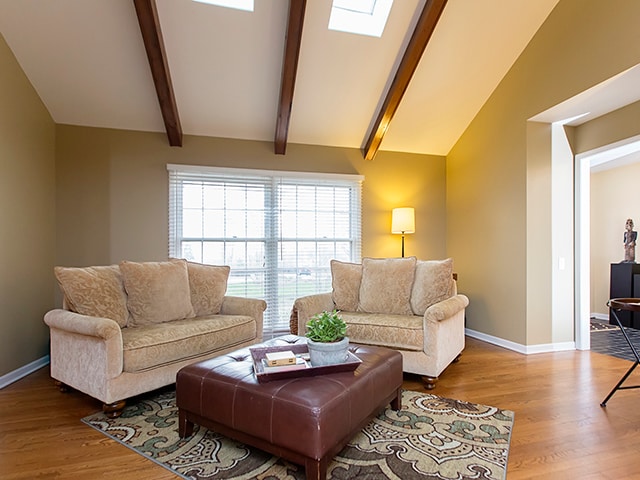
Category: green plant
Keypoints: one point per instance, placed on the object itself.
(326, 327)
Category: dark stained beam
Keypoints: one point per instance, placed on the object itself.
(154, 45)
(410, 60)
(289, 70)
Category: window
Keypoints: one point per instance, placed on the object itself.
(363, 17)
(237, 4)
(278, 231)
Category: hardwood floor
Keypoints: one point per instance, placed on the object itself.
(560, 430)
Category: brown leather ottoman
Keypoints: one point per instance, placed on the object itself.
(306, 420)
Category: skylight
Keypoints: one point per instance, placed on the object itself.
(363, 17)
(237, 4)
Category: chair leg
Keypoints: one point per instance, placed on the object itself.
(429, 382)
(113, 410)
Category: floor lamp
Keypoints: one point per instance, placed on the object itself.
(403, 221)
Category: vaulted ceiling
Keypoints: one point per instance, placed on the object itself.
(237, 74)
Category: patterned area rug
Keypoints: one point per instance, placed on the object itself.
(601, 326)
(430, 438)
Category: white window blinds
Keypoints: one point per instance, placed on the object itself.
(278, 231)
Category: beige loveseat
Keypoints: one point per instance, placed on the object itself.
(402, 303)
(127, 329)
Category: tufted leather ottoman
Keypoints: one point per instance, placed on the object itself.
(306, 420)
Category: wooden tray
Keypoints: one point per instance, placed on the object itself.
(258, 353)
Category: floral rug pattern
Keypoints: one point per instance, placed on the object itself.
(431, 438)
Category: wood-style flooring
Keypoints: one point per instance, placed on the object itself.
(560, 430)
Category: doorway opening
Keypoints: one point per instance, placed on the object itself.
(608, 156)
(610, 95)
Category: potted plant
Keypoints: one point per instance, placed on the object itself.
(327, 339)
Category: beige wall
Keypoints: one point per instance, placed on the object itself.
(112, 191)
(490, 192)
(27, 186)
(538, 243)
(608, 129)
(89, 196)
(615, 196)
(105, 198)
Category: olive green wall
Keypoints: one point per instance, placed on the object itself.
(112, 191)
(491, 192)
(27, 223)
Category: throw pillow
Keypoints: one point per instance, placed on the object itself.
(208, 284)
(345, 280)
(386, 285)
(94, 291)
(432, 284)
(157, 291)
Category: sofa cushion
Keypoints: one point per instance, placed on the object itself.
(94, 291)
(386, 285)
(345, 280)
(155, 345)
(404, 332)
(432, 284)
(157, 291)
(208, 284)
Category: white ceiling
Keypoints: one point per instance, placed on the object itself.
(86, 60)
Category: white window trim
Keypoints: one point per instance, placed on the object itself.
(251, 172)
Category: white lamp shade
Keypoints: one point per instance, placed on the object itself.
(403, 220)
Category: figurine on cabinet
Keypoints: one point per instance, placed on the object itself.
(630, 237)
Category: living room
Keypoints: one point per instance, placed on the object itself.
(81, 195)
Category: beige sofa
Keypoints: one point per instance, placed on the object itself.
(127, 329)
(402, 303)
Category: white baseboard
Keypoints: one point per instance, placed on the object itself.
(600, 316)
(16, 375)
(518, 347)
(21, 372)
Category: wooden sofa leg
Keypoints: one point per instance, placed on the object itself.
(429, 382)
(457, 359)
(113, 410)
(64, 388)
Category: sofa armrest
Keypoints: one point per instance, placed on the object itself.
(251, 307)
(72, 322)
(444, 332)
(306, 307)
(446, 308)
(85, 351)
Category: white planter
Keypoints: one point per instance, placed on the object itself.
(332, 353)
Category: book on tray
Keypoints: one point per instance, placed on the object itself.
(275, 359)
(300, 364)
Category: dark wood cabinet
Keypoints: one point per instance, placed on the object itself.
(625, 283)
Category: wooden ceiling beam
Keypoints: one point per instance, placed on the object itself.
(147, 13)
(289, 70)
(421, 35)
